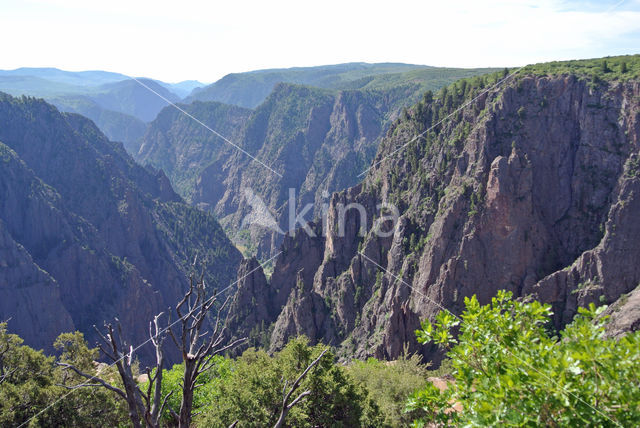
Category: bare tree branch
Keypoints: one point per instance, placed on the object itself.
(286, 396)
(101, 382)
(299, 398)
(164, 402)
(157, 336)
(197, 343)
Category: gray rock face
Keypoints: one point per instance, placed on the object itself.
(531, 188)
(34, 307)
(88, 234)
(624, 314)
(183, 148)
(318, 140)
(251, 310)
(257, 303)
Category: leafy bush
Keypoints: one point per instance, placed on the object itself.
(252, 394)
(510, 370)
(389, 383)
(204, 397)
(30, 390)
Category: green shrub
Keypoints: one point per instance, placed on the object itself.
(30, 391)
(389, 383)
(204, 397)
(510, 370)
(252, 393)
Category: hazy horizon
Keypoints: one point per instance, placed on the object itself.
(237, 72)
(203, 41)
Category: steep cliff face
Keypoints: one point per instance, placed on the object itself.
(315, 139)
(531, 187)
(318, 140)
(86, 226)
(115, 125)
(29, 297)
(183, 148)
(257, 302)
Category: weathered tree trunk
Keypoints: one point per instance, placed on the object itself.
(113, 346)
(186, 406)
(198, 346)
(286, 396)
(131, 390)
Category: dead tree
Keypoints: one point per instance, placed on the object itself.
(142, 406)
(287, 404)
(156, 403)
(198, 345)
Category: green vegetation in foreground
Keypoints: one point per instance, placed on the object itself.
(247, 388)
(368, 393)
(510, 370)
(253, 391)
(389, 383)
(30, 382)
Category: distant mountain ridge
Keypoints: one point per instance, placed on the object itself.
(115, 125)
(117, 106)
(77, 80)
(72, 80)
(182, 89)
(131, 97)
(116, 103)
(251, 88)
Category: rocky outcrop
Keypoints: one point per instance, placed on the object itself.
(251, 310)
(182, 148)
(258, 302)
(531, 187)
(101, 237)
(314, 141)
(29, 298)
(624, 314)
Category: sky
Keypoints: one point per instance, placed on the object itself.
(205, 40)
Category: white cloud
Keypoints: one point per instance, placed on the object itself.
(205, 40)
